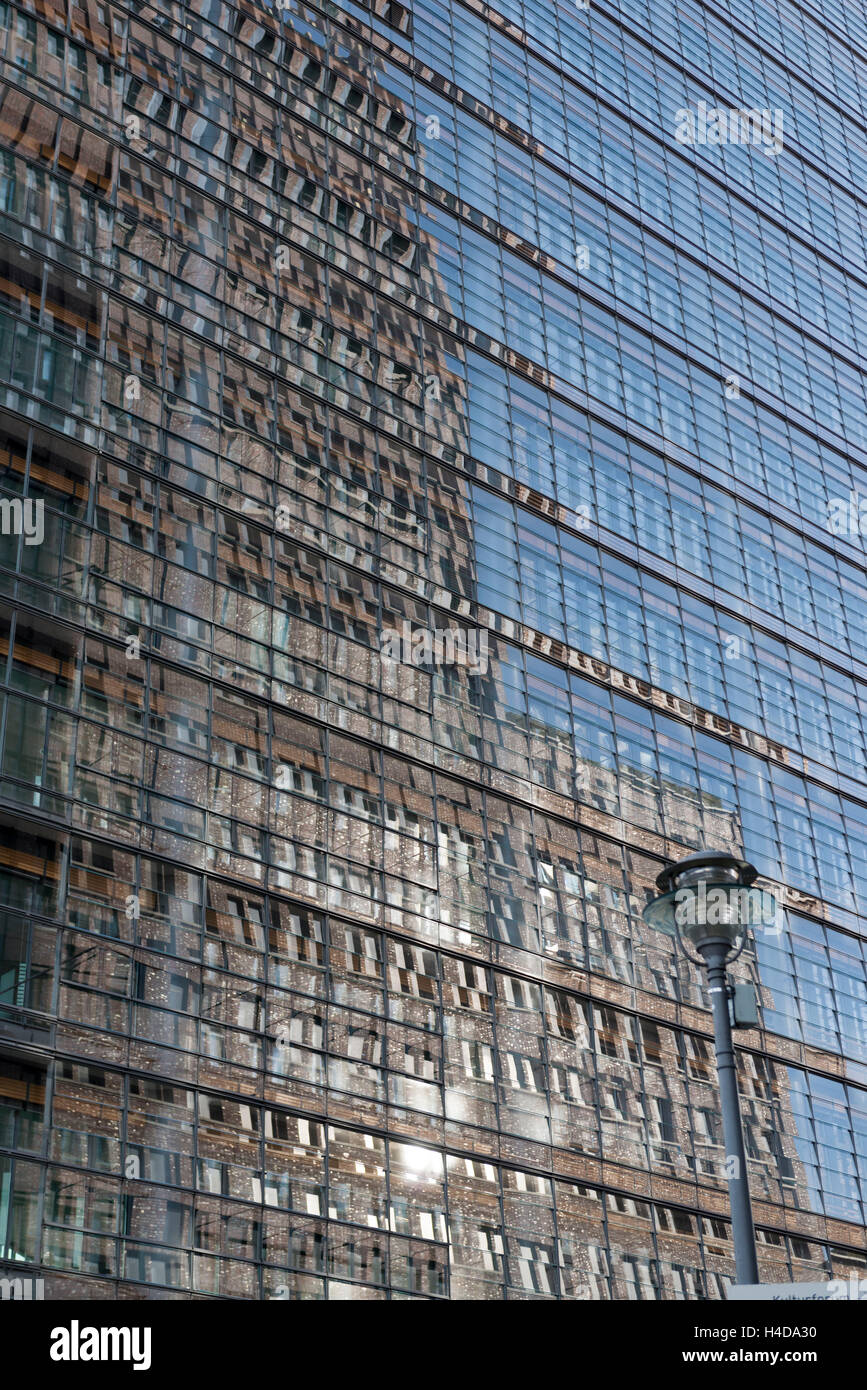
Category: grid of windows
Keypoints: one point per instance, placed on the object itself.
(517, 289)
(324, 975)
(632, 617)
(238, 1200)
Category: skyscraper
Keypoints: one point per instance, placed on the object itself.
(432, 446)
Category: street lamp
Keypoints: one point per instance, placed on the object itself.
(708, 903)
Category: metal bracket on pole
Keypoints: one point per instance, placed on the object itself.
(744, 1005)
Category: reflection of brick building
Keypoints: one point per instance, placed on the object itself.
(321, 978)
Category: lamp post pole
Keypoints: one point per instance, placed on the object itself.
(743, 1232)
(705, 903)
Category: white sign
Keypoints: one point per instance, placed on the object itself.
(832, 1292)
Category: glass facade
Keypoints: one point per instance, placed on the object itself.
(323, 972)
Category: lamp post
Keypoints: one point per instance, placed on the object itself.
(707, 902)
